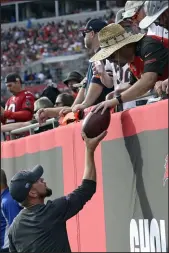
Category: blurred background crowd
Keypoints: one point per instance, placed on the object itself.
(34, 35)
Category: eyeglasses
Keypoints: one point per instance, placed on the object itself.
(58, 104)
(85, 32)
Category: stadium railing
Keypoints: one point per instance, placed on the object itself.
(31, 128)
(83, 16)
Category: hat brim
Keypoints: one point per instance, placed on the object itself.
(119, 21)
(67, 80)
(130, 13)
(83, 29)
(119, 16)
(104, 53)
(36, 172)
(70, 79)
(148, 20)
(77, 85)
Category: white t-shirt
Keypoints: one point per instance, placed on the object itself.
(120, 75)
(157, 30)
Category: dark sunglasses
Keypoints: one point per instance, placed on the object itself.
(58, 104)
(85, 32)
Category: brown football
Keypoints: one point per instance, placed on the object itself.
(95, 123)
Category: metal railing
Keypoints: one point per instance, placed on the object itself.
(147, 96)
(31, 128)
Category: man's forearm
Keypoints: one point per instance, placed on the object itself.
(53, 112)
(90, 169)
(165, 82)
(13, 126)
(80, 97)
(138, 89)
(106, 80)
(123, 87)
(24, 115)
(93, 93)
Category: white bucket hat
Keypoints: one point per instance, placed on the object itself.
(112, 38)
(131, 8)
(154, 10)
(119, 16)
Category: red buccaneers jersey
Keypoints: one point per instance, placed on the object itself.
(24, 100)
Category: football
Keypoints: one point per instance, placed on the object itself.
(95, 123)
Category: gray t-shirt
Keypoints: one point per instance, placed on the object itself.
(42, 228)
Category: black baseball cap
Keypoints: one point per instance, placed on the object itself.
(94, 25)
(13, 77)
(22, 182)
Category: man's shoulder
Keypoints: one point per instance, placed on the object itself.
(11, 99)
(56, 205)
(16, 222)
(25, 93)
(150, 40)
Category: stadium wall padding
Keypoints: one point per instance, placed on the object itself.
(129, 211)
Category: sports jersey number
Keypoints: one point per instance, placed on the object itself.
(11, 108)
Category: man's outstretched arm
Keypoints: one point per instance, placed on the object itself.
(70, 205)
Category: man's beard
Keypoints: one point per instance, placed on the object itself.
(48, 192)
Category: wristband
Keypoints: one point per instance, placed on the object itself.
(118, 97)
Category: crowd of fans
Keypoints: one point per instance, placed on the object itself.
(21, 46)
(117, 76)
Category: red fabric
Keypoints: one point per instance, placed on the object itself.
(23, 103)
(137, 67)
(18, 116)
(75, 94)
(163, 40)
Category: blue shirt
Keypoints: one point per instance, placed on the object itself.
(9, 210)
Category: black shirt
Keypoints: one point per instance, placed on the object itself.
(104, 92)
(91, 79)
(154, 58)
(42, 228)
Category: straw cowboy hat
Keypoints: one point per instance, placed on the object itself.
(112, 38)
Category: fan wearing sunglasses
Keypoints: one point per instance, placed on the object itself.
(93, 90)
(63, 100)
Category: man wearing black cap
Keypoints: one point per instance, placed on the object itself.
(73, 77)
(20, 106)
(42, 227)
(93, 90)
